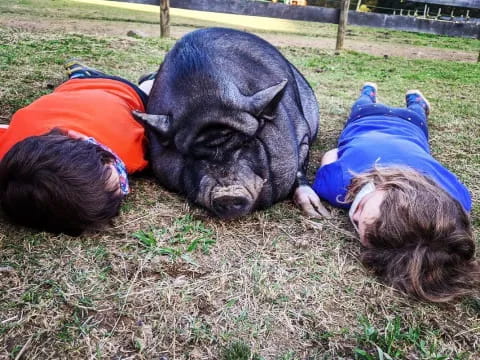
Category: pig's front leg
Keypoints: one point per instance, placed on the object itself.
(307, 199)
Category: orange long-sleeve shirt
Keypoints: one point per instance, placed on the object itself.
(98, 108)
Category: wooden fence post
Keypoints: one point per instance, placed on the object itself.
(342, 24)
(164, 18)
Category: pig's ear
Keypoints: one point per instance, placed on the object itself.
(262, 99)
(161, 123)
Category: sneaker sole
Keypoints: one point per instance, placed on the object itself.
(372, 84)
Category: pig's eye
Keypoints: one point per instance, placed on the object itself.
(214, 137)
(218, 141)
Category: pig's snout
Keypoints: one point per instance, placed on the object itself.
(228, 206)
(232, 201)
(229, 201)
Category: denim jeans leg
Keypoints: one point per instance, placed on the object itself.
(420, 111)
(362, 100)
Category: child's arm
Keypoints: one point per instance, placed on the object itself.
(330, 181)
(329, 157)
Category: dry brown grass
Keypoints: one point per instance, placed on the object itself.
(286, 286)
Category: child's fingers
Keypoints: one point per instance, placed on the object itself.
(310, 203)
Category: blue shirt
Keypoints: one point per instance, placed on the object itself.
(384, 141)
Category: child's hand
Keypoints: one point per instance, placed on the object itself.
(309, 202)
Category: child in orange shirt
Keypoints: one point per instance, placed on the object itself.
(65, 157)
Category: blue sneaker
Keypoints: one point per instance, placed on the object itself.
(148, 76)
(416, 97)
(370, 89)
(75, 69)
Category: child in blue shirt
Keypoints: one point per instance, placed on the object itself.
(411, 213)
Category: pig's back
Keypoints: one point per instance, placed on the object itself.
(226, 55)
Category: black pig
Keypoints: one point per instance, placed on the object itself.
(230, 122)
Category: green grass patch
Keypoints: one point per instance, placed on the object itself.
(395, 341)
(239, 351)
(186, 236)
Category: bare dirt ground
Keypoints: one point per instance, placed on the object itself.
(118, 28)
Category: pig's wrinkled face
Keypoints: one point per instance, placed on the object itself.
(229, 190)
(227, 168)
(226, 165)
(215, 133)
(226, 171)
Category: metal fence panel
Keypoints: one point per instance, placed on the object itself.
(473, 4)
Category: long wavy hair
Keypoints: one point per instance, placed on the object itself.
(422, 242)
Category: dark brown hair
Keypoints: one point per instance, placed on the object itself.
(55, 183)
(422, 243)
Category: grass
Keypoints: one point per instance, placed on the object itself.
(396, 342)
(147, 14)
(166, 280)
(188, 235)
(239, 351)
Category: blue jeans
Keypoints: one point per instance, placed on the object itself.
(364, 106)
